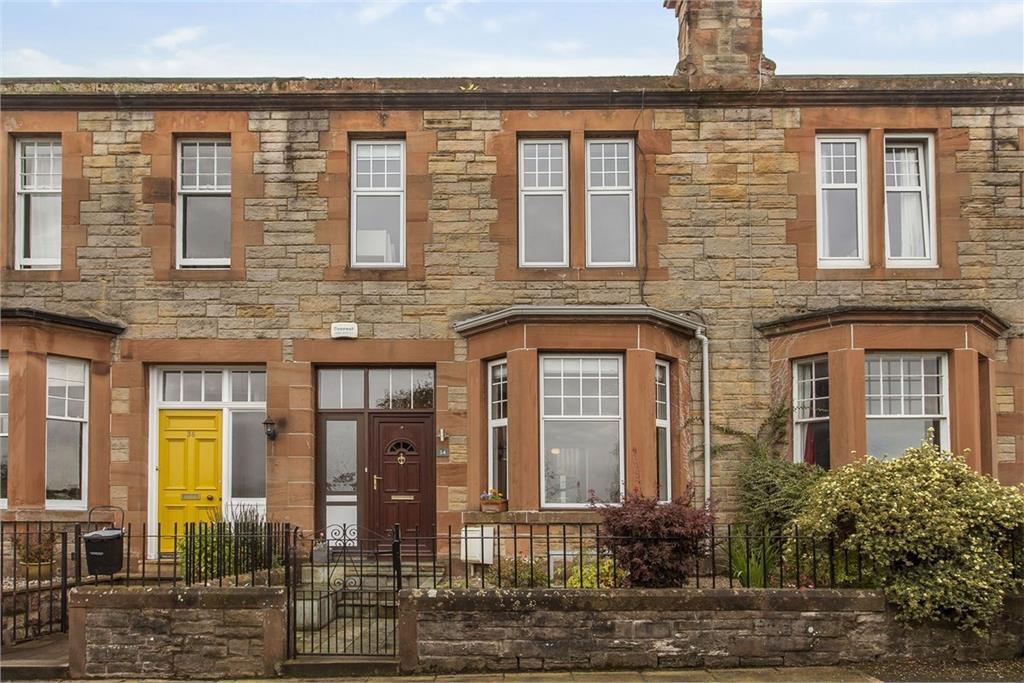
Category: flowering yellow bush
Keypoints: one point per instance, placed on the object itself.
(937, 531)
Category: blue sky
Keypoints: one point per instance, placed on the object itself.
(487, 37)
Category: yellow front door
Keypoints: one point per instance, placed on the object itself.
(189, 470)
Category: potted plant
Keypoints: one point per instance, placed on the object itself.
(35, 555)
(493, 500)
(321, 549)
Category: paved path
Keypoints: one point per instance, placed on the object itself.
(824, 674)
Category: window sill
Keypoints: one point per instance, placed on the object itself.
(75, 506)
(906, 265)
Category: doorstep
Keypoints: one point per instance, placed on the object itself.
(316, 666)
(44, 658)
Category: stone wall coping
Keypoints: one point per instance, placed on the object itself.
(83, 322)
(639, 599)
(496, 92)
(612, 313)
(978, 316)
(194, 597)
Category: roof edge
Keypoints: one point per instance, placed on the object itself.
(78, 322)
(620, 313)
(978, 316)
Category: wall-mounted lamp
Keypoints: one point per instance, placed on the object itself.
(270, 428)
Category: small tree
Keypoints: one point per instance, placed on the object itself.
(934, 530)
(772, 487)
(656, 544)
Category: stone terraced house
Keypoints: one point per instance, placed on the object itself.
(368, 300)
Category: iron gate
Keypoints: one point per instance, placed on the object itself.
(343, 593)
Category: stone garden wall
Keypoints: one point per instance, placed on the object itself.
(198, 632)
(507, 630)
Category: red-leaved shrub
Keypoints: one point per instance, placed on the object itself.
(658, 544)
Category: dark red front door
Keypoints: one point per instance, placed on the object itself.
(401, 474)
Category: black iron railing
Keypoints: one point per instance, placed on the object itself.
(41, 561)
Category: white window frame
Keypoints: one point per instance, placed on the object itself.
(825, 261)
(943, 418)
(620, 419)
(377, 192)
(20, 262)
(615, 191)
(494, 422)
(925, 142)
(798, 421)
(562, 191)
(196, 262)
(5, 372)
(227, 407)
(82, 504)
(666, 424)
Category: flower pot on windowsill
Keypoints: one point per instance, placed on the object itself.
(493, 505)
(37, 571)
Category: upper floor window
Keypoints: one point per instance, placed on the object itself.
(543, 203)
(611, 217)
(906, 397)
(378, 204)
(67, 431)
(663, 430)
(581, 430)
(37, 204)
(204, 203)
(810, 412)
(842, 201)
(497, 426)
(909, 202)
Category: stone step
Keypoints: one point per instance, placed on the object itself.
(319, 666)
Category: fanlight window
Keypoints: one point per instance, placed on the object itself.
(400, 447)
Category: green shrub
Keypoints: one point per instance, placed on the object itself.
(225, 548)
(934, 530)
(588, 576)
(754, 567)
(772, 487)
(519, 572)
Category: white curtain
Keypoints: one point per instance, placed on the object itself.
(906, 217)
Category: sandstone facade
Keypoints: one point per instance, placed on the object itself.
(722, 194)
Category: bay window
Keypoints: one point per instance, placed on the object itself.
(204, 203)
(842, 201)
(581, 430)
(67, 427)
(4, 418)
(663, 430)
(811, 412)
(543, 203)
(37, 229)
(611, 224)
(905, 398)
(378, 204)
(909, 204)
(497, 426)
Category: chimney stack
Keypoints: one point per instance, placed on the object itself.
(720, 44)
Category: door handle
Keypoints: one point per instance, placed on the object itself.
(209, 498)
(375, 480)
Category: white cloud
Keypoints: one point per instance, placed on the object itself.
(812, 24)
(563, 47)
(442, 11)
(28, 62)
(492, 25)
(176, 38)
(378, 9)
(969, 21)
